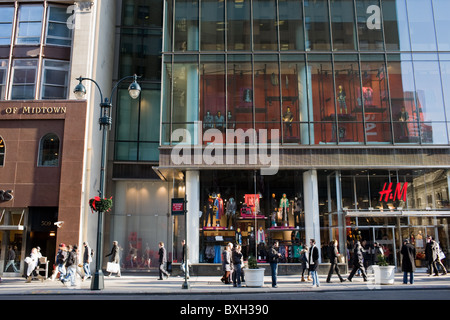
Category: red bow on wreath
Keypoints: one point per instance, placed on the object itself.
(93, 202)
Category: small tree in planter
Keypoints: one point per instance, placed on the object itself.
(254, 275)
(384, 273)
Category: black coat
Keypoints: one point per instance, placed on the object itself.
(162, 255)
(408, 252)
(313, 258)
(358, 255)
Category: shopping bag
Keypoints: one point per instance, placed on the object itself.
(112, 267)
(441, 255)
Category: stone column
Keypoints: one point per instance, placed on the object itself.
(311, 207)
(193, 207)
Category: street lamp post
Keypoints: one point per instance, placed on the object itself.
(105, 121)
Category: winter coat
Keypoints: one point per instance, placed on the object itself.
(313, 258)
(408, 252)
(358, 255)
(435, 250)
(274, 256)
(226, 261)
(115, 257)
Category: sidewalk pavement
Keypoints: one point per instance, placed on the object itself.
(131, 284)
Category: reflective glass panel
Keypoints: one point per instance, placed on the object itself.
(212, 25)
(238, 25)
(186, 25)
(317, 25)
(265, 25)
(395, 23)
(290, 13)
(441, 8)
(370, 32)
(420, 17)
(343, 24)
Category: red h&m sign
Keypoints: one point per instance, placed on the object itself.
(399, 193)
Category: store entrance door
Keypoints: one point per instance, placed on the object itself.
(383, 235)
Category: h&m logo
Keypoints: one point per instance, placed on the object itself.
(399, 193)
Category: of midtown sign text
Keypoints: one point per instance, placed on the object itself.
(388, 193)
(36, 110)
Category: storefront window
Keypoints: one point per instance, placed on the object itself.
(296, 94)
(240, 90)
(238, 25)
(267, 95)
(375, 99)
(321, 99)
(254, 224)
(264, 25)
(290, 14)
(213, 111)
(212, 25)
(349, 102)
(317, 25)
(403, 100)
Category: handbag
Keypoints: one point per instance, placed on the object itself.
(112, 267)
(441, 255)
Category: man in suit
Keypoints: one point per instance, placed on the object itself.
(162, 261)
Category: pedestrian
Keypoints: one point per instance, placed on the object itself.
(87, 259)
(227, 264)
(237, 259)
(313, 259)
(408, 252)
(274, 258)
(436, 250)
(32, 263)
(184, 259)
(305, 265)
(334, 255)
(115, 257)
(11, 258)
(162, 261)
(71, 265)
(358, 262)
(429, 255)
(377, 252)
(60, 260)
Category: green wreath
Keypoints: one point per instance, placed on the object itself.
(100, 205)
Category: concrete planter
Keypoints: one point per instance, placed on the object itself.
(254, 277)
(384, 274)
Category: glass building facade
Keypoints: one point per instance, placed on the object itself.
(323, 72)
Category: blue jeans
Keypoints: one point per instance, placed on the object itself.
(236, 275)
(71, 272)
(274, 269)
(11, 263)
(87, 269)
(61, 270)
(405, 277)
(315, 278)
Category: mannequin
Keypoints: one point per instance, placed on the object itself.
(209, 212)
(261, 237)
(208, 121)
(219, 204)
(287, 119)
(298, 205)
(231, 213)
(238, 236)
(403, 117)
(274, 208)
(230, 121)
(284, 207)
(341, 97)
(219, 121)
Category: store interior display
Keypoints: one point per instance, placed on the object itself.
(224, 220)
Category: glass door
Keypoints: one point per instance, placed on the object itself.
(385, 237)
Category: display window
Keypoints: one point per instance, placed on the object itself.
(251, 210)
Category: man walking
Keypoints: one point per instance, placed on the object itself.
(274, 258)
(162, 261)
(334, 254)
(314, 262)
(358, 262)
(408, 252)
